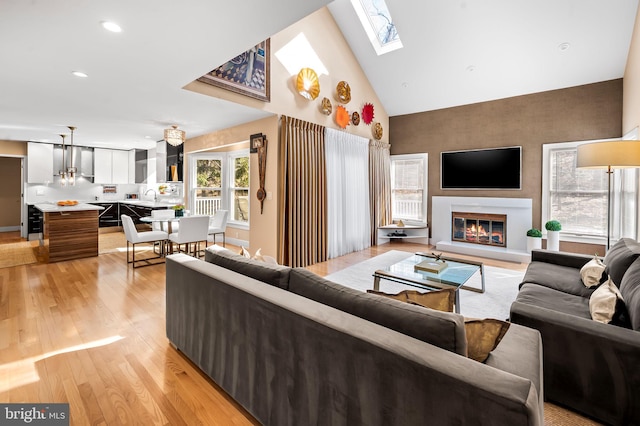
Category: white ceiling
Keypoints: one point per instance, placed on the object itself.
(134, 89)
(512, 45)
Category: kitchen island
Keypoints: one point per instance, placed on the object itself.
(72, 231)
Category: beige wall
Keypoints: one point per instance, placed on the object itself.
(587, 112)
(263, 233)
(631, 98)
(10, 176)
(13, 148)
(326, 39)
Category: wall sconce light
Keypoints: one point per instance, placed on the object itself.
(307, 84)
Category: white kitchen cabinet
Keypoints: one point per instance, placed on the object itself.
(132, 166)
(111, 166)
(120, 167)
(103, 161)
(39, 162)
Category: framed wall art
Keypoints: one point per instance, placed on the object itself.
(248, 73)
(255, 142)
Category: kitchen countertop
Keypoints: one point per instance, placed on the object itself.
(52, 208)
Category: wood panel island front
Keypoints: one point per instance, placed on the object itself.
(72, 231)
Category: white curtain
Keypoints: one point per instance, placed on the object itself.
(348, 218)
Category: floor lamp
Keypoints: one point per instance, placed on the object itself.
(609, 155)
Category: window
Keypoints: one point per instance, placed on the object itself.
(378, 25)
(221, 181)
(239, 188)
(578, 197)
(409, 187)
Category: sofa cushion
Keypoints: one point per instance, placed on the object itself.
(276, 275)
(591, 272)
(443, 329)
(620, 257)
(440, 300)
(630, 290)
(555, 300)
(603, 302)
(558, 277)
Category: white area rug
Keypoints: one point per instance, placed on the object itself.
(501, 285)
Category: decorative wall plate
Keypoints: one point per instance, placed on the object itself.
(344, 92)
(377, 131)
(307, 83)
(342, 116)
(326, 106)
(367, 113)
(355, 118)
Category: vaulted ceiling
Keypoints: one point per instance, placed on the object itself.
(455, 53)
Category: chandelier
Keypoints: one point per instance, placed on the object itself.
(174, 136)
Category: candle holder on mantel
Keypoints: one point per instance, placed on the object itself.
(259, 145)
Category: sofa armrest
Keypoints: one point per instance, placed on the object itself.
(572, 260)
(520, 353)
(589, 366)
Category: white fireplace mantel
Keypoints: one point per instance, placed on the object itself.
(519, 219)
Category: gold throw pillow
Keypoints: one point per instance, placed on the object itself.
(483, 336)
(440, 300)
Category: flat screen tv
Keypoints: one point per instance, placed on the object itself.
(494, 168)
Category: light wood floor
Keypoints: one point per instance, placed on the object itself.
(91, 332)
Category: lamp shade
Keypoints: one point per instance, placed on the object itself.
(174, 136)
(614, 154)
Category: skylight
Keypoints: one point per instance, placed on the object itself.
(376, 20)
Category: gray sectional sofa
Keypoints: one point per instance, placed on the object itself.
(589, 366)
(295, 349)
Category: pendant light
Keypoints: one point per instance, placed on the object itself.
(63, 172)
(174, 136)
(71, 170)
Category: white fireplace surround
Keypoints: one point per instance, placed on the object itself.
(519, 218)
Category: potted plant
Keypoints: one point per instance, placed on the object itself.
(553, 228)
(179, 208)
(534, 239)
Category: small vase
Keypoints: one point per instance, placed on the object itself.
(534, 243)
(179, 213)
(553, 240)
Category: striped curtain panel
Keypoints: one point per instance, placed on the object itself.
(303, 205)
(379, 186)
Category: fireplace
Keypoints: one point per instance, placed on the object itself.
(479, 228)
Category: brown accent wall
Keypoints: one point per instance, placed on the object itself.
(592, 111)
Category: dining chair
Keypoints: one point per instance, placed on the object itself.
(162, 214)
(193, 230)
(218, 225)
(147, 237)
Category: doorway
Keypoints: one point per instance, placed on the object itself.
(11, 196)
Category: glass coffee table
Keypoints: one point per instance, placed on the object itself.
(456, 274)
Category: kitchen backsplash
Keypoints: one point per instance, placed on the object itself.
(84, 191)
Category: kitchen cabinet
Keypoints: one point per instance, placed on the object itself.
(132, 165)
(141, 166)
(136, 212)
(111, 166)
(175, 155)
(39, 162)
(109, 216)
(34, 220)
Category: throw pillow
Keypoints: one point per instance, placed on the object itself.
(258, 256)
(244, 252)
(591, 272)
(603, 302)
(440, 300)
(483, 336)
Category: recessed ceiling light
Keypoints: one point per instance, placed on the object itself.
(79, 74)
(471, 68)
(111, 26)
(564, 46)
